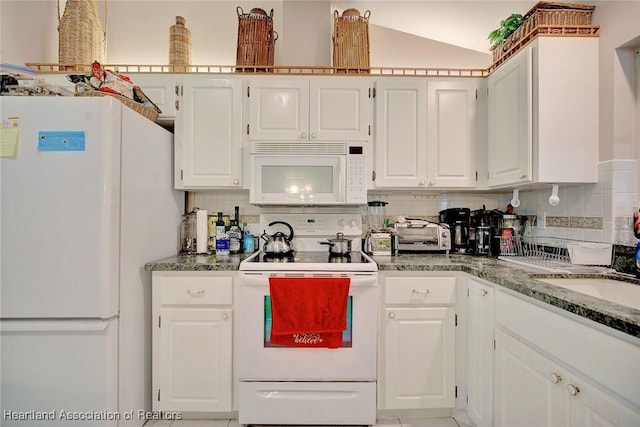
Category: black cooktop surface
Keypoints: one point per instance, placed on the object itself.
(311, 257)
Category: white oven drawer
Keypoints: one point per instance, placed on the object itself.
(420, 290)
(318, 403)
(200, 290)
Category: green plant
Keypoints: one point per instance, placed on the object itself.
(507, 26)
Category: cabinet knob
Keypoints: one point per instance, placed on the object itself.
(392, 315)
(225, 316)
(484, 292)
(236, 181)
(421, 183)
(303, 135)
(573, 389)
(432, 183)
(195, 292)
(314, 135)
(556, 378)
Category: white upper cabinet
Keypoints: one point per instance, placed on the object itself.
(308, 109)
(400, 133)
(425, 134)
(543, 114)
(161, 90)
(451, 132)
(208, 133)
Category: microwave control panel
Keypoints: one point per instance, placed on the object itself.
(356, 174)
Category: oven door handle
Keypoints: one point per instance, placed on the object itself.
(262, 279)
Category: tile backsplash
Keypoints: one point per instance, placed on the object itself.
(590, 212)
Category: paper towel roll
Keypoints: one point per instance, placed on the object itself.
(202, 231)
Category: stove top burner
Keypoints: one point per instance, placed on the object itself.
(311, 257)
(309, 260)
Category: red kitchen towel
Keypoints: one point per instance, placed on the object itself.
(308, 311)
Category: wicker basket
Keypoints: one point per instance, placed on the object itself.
(179, 46)
(148, 112)
(81, 39)
(548, 18)
(256, 41)
(351, 42)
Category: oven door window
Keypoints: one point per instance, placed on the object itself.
(347, 334)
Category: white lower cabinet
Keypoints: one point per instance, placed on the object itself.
(417, 363)
(480, 299)
(192, 341)
(553, 371)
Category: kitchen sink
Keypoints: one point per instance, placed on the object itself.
(616, 291)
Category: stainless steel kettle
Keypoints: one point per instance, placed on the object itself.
(278, 243)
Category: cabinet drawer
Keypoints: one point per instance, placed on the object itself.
(196, 290)
(420, 290)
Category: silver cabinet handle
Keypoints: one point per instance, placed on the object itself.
(420, 291)
(573, 389)
(556, 378)
(392, 315)
(196, 292)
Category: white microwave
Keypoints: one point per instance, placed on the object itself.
(307, 173)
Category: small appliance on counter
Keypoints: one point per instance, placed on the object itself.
(484, 225)
(419, 235)
(378, 240)
(459, 221)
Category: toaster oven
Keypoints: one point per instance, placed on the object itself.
(417, 235)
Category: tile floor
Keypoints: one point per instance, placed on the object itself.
(392, 422)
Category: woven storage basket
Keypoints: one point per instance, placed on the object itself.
(148, 112)
(81, 39)
(179, 46)
(558, 18)
(256, 40)
(351, 41)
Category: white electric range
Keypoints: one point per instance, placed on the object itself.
(287, 385)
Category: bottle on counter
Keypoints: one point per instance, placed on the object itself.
(636, 220)
(637, 260)
(222, 240)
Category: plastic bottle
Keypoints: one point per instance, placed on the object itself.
(637, 260)
(636, 220)
(222, 240)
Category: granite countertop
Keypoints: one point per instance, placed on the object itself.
(510, 276)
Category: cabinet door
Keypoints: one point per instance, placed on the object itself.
(401, 133)
(510, 121)
(195, 354)
(160, 89)
(529, 388)
(480, 353)
(592, 406)
(279, 109)
(419, 358)
(451, 133)
(208, 134)
(339, 109)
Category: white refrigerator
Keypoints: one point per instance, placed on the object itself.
(85, 202)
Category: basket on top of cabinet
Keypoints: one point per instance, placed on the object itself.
(351, 42)
(550, 18)
(256, 41)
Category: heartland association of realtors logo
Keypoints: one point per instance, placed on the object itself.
(304, 338)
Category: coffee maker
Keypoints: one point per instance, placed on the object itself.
(459, 221)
